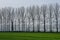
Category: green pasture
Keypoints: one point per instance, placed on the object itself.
(29, 36)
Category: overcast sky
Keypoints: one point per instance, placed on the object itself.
(19, 3)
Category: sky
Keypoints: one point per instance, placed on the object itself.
(19, 3)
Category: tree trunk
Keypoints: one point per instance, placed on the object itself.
(50, 23)
(12, 26)
(33, 24)
(38, 24)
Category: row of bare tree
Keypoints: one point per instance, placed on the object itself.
(45, 18)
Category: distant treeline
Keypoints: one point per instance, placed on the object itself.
(45, 18)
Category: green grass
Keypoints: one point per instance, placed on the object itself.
(29, 36)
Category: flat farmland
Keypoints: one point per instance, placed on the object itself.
(29, 36)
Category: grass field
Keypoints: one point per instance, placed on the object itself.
(29, 36)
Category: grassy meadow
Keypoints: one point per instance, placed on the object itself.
(29, 36)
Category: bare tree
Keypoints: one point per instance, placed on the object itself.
(22, 15)
(50, 19)
(3, 16)
(28, 16)
(9, 18)
(38, 14)
(19, 17)
(32, 13)
(44, 7)
(1, 21)
(56, 15)
(12, 18)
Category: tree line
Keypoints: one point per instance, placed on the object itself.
(44, 18)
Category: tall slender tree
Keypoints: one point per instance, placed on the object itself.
(56, 15)
(22, 15)
(38, 14)
(50, 19)
(12, 18)
(44, 7)
(32, 13)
